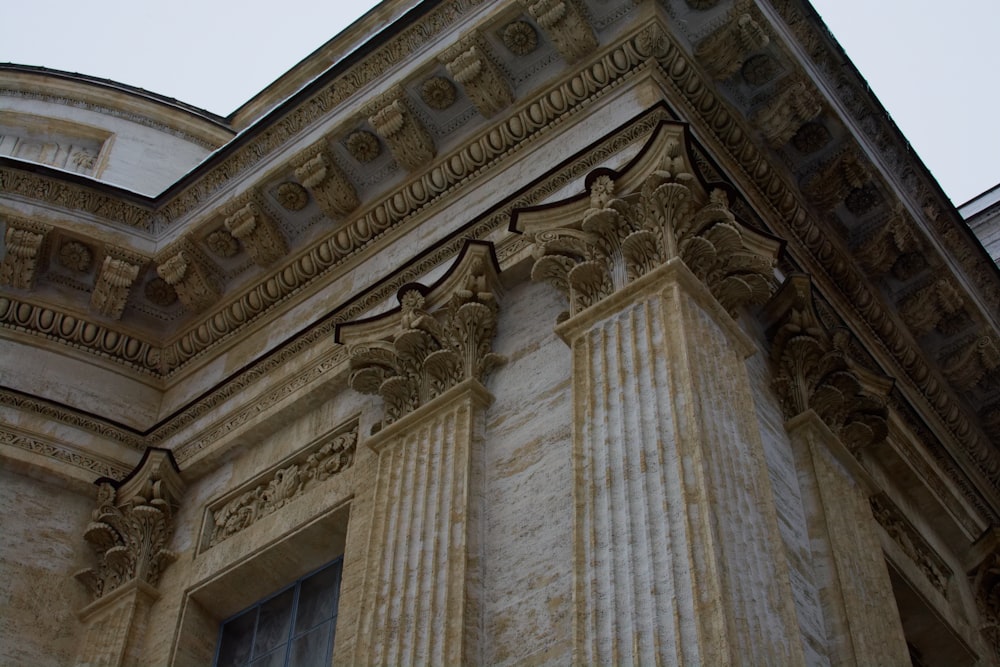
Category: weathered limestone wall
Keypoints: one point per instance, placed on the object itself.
(40, 550)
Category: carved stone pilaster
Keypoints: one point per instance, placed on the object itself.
(795, 103)
(427, 360)
(247, 221)
(986, 589)
(725, 50)
(184, 270)
(836, 179)
(23, 240)
(471, 64)
(641, 219)
(927, 308)
(973, 363)
(437, 338)
(812, 373)
(406, 137)
(114, 282)
(327, 183)
(566, 24)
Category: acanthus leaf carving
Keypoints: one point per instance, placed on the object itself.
(725, 50)
(813, 372)
(471, 65)
(417, 352)
(114, 282)
(838, 177)
(927, 308)
(795, 103)
(249, 222)
(409, 141)
(189, 275)
(328, 184)
(620, 238)
(566, 25)
(133, 524)
(24, 241)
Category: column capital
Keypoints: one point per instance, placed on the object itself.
(627, 223)
(438, 336)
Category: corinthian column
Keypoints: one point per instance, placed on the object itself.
(835, 409)
(428, 359)
(678, 558)
(130, 531)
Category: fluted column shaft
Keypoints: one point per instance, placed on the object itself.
(678, 555)
(862, 621)
(421, 597)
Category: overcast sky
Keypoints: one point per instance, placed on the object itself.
(935, 71)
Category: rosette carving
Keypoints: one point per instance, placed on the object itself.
(437, 338)
(619, 238)
(812, 371)
(132, 525)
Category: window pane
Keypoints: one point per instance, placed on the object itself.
(318, 598)
(272, 659)
(313, 648)
(272, 628)
(236, 637)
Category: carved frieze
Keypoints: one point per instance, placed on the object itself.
(911, 541)
(114, 282)
(195, 286)
(23, 240)
(320, 175)
(132, 525)
(316, 464)
(813, 372)
(406, 137)
(438, 337)
(637, 222)
(247, 221)
(471, 65)
(725, 50)
(794, 103)
(566, 24)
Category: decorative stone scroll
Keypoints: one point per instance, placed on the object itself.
(812, 372)
(184, 270)
(893, 247)
(654, 211)
(725, 50)
(472, 66)
(836, 179)
(437, 338)
(567, 26)
(406, 137)
(315, 465)
(133, 524)
(23, 240)
(931, 306)
(328, 184)
(974, 363)
(781, 117)
(247, 221)
(114, 282)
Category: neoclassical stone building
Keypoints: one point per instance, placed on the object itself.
(597, 332)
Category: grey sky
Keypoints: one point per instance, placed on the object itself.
(934, 70)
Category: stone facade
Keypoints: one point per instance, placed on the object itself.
(584, 332)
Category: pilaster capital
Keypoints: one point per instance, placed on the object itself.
(812, 372)
(438, 337)
(132, 525)
(630, 222)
